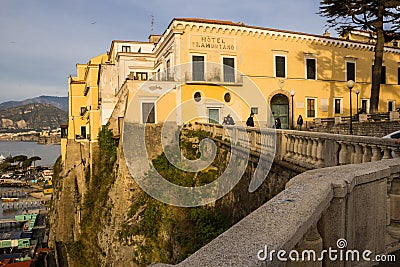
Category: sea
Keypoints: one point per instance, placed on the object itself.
(47, 153)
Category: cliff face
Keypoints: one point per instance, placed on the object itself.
(32, 116)
(106, 217)
(59, 102)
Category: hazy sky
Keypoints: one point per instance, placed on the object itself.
(42, 40)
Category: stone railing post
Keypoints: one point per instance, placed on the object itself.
(386, 152)
(358, 156)
(300, 148)
(343, 153)
(320, 149)
(367, 156)
(289, 146)
(253, 141)
(376, 153)
(309, 150)
(314, 150)
(350, 149)
(312, 241)
(224, 133)
(304, 149)
(295, 147)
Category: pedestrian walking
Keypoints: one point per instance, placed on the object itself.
(299, 122)
(250, 120)
(228, 120)
(278, 124)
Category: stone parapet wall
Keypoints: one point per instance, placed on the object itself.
(377, 128)
(317, 208)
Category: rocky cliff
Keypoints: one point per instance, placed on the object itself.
(100, 213)
(32, 116)
(56, 101)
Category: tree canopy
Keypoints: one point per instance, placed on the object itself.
(381, 18)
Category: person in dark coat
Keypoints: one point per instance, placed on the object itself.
(250, 120)
(278, 124)
(299, 122)
(228, 120)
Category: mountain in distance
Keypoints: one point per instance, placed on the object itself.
(34, 116)
(60, 102)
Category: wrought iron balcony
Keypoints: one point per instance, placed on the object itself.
(214, 78)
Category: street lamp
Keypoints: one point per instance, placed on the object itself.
(357, 93)
(292, 94)
(350, 85)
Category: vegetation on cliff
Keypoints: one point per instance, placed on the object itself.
(156, 231)
(164, 233)
(95, 209)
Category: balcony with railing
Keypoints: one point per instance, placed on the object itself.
(163, 77)
(231, 78)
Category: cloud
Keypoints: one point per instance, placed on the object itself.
(42, 40)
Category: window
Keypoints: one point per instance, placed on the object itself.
(64, 132)
(350, 71)
(383, 74)
(398, 75)
(213, 115)
(227, 97)
(391, 106)
(198, 68)
(280, 66)
(126, 48)
(141, 76)
(148, 112)
(311, 107)
(254, 110)
(338, 105)
(197, 96)
(365, 105)
(83, 110)
(311, 68)
(229, 69)
(83, 132)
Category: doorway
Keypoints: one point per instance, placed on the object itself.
(280, 109)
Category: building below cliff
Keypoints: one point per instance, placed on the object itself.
(43, 137)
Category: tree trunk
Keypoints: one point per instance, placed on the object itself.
(377, 69)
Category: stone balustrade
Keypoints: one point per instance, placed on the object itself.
(310, 150)
(351, 210)
(357, 204)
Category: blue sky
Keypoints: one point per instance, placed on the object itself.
(42, 40)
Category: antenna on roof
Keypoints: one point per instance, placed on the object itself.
(152, 24)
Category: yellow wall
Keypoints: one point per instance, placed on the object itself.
(83, 92)
(254, 51)
(165, 101)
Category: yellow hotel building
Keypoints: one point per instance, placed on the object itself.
(205, 69)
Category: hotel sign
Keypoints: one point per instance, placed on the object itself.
(210, 42)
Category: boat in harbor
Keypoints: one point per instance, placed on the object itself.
(9, 199)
